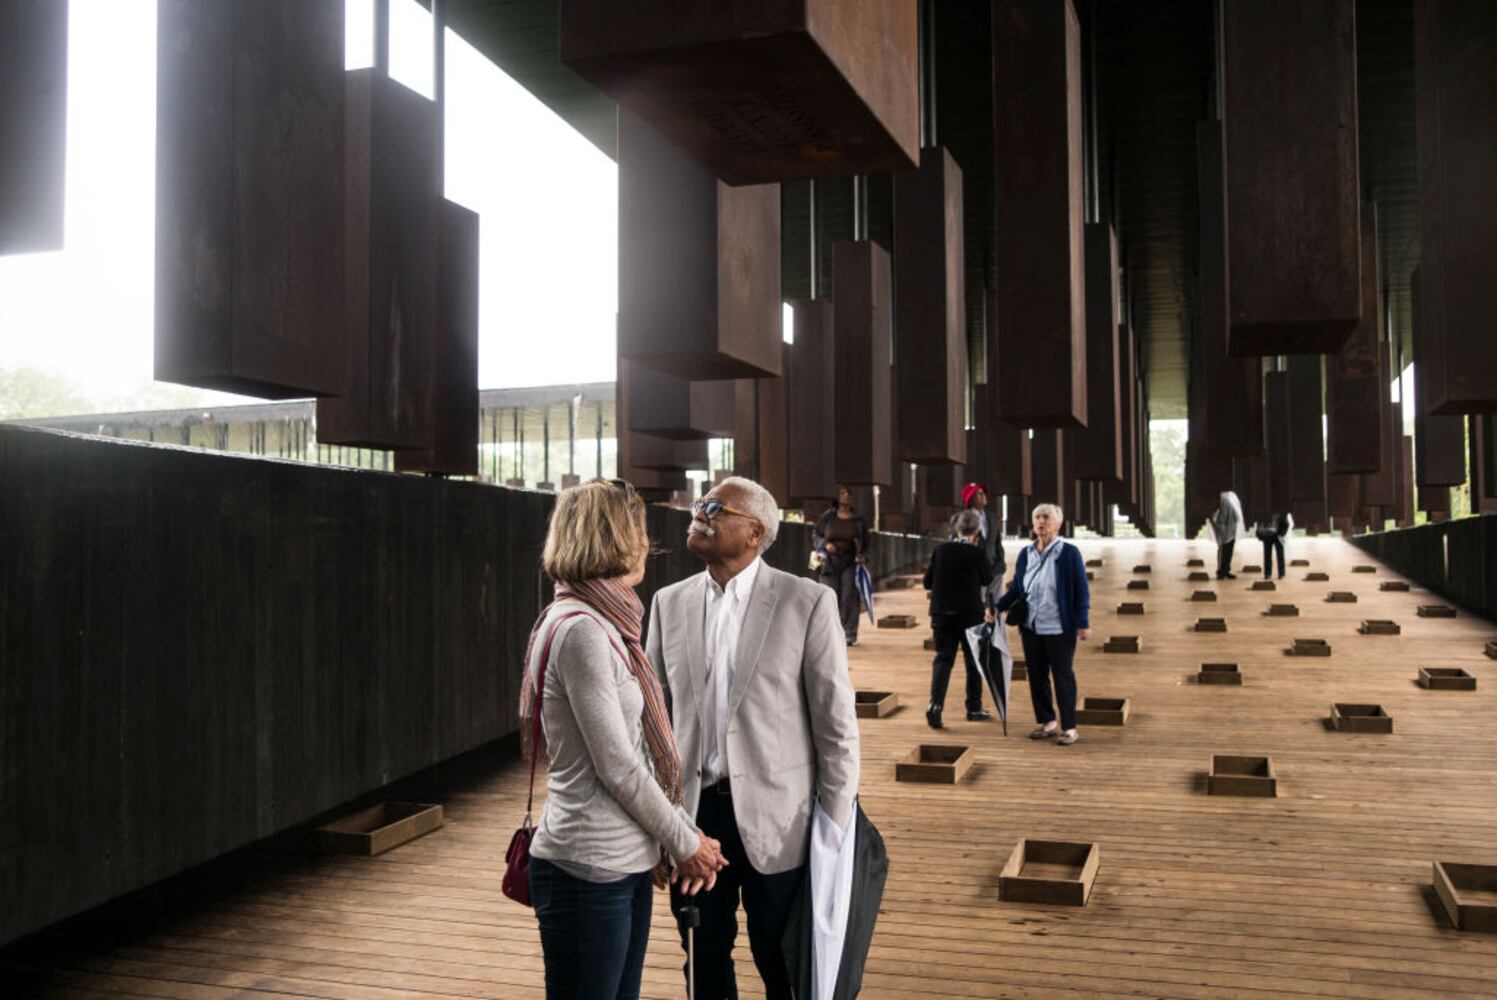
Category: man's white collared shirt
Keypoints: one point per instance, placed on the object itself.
(722, 625)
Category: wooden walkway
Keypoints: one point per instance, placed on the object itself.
(1321, 892)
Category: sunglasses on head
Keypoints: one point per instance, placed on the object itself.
(710, 509)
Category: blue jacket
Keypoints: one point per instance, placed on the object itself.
(1071, 591)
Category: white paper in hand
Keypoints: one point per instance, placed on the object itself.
(832, 850)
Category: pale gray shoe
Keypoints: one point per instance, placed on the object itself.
(1067, 738)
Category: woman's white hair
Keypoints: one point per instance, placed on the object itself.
(759, 504)
(1051, 509)
(968, 523)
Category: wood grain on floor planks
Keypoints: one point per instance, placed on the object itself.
(1321, 892)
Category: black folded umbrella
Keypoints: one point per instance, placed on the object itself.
(994, 663)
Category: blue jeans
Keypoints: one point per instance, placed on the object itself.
(593, 934)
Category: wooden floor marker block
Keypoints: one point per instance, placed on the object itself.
(1394, 585)
(936, 764)
(1446, 679)
(1090, 575)
(1491, 648)
(1049, 871)
(1350, 718)
(897, 621)
(1203, 595)
(1237, 775)
(1341, 597)
(1263, 585)
(1252, 569)
(1143, 568)
(930, 644)
(1436, 611)
(1138, 584)
(1198, 577)
(1363, 568)
(874, 704)
(1121, 644)
(1102, 712)
(1379, 626)
(1317, 577)
(1131, 608)
(1219, 673)
(1282, 611)
(1468, 894)
(1310, 647)
(1094, 564)
(1299, 562)
(1211, 625)
(379, 828)
(1021, 670)
(1194, 562)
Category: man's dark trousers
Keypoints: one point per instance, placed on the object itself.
(767, 901)
(949, 633)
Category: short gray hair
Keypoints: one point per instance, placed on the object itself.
(1051, 509)
(968, 523)
(759, 504)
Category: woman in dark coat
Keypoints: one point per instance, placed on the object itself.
(957, 578)
(841, 536)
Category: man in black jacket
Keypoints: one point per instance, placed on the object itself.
(957, 577)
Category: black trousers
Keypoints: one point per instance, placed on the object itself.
(1224, 559)
(949, 635)
(844, 580)
(1051, 655)
(1270, 546)
(767, 901)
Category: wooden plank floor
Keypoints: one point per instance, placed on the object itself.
(1320, 892)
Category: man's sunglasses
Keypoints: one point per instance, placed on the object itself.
(710, 509)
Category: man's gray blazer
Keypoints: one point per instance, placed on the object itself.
(792, 733)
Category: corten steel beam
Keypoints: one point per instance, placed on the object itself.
(1404, 510)
(674, 408)
(1482, 435)
(451, 395)
(1455, 77)
(1306, 438)
(1289, 87)
(863, 322)
(1099, 446)
(1037, 161)
(1049, 466)
(1356, 376)
(761, 432)
(1276, 434)
(811, 394)
(1343, 491)
(699, 264)
(250, 105)
(930, 335)
(33, 124)
(1434, 499)
(391, 213)
(1439, 441)
(1233, 417)
(1380, 488)
(1250, 482)
(760, 92)
(1009, 454)
(641, 454)
(1125, 493)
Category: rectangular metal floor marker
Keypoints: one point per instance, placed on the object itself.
(1341, 597)
(1093, 563)
(1399, 586)
(1233, 774)
(1219, 673)
(1263, 585)
(897, 621)
(1363, 568)
(1138, 584)
(379, 828)
(1317, 577)
(1121, 644)
(1211, 625)
(1143, 568)
(1354, 718)
(1446, 679)
(930, 644)
(874, 704)
(1021, 669)
(1251, 568)
(1102, 712)
(1049, 871)
(1299, 562)
(935, 763)
(1310, 647)
(1379, 626)
(1203, 595)
(1491, 649)
(1131, 608)
(1468, 894)
(1198, 577)
(1436, 611)
(1195, 562)
(1282, 611)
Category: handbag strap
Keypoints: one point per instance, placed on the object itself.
(1049, 550)
(540, 699)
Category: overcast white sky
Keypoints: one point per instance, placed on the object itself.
(546, 196)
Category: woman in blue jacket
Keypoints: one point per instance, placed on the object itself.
(1051, 577)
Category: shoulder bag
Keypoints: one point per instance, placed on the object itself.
(1018, 611)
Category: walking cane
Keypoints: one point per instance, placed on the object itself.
(691, 919)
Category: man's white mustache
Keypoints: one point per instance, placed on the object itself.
(701, 528)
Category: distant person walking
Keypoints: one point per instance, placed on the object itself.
(958, 578)
(841, 536)
(1272, 533)
(1227, 523)
(1050, 578)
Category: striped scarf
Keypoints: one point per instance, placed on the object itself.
(620, 605)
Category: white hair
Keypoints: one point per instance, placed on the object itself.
(759, 504)
(1051, 509)
(968, 523)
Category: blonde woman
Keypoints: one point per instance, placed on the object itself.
(614, 773)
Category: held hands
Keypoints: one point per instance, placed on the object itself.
(699, 871)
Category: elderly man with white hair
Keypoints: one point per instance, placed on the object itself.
(1051, 604)
(754, 663)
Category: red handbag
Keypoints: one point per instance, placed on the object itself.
(516, 881)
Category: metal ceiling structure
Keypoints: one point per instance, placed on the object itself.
(1155, 78)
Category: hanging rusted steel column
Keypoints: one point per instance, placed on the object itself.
(1126, 493)
(1455, 77)
(1010, 454)
(1233, 413)
(33, 124)
(1289, 89)
(1306, 438)
(1276, 435)
(811, 392)
(759, 92)
(863, 323)
(1038, 182)
(656, 466)
(1356, 377)
(250, 106)
(1049, 466)
(1099, 446)
(1439, 440)
(1380, 488)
